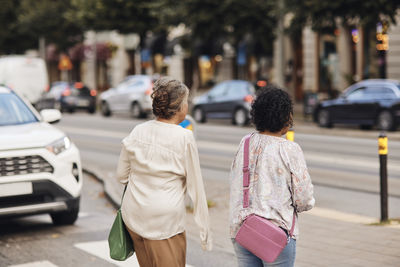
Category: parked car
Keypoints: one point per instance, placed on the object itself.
(227, 100)
(132, 95)
(66, 96)
(369, 103)
(40, 168)
(24, 74)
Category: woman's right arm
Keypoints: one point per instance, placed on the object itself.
(124, 166)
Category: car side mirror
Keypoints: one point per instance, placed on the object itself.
(51, 115)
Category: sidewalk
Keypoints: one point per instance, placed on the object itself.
(327, 237)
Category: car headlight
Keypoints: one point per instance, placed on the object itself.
(59, 145)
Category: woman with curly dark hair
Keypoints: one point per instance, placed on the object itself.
(280, 186)
(159, 161)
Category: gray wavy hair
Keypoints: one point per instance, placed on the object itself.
(168, 96)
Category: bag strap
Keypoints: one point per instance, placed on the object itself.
(246, 180)
(123, 193)
(246, 172)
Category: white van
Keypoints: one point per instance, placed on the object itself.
(26, 75)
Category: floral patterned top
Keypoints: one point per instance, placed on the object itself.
(273, 161)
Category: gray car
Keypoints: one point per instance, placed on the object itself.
(226, 100)
(132, 95)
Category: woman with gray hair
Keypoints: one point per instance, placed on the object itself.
(159, 161)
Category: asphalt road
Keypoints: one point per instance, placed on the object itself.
(338, 164)
(344, 170)
(34, 241)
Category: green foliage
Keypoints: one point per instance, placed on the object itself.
(255, 17)
(215, 21)
(63, 22)
(125, 16)
(48, 19)
(326, 14)
(11, 40)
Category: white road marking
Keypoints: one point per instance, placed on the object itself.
(83, 214)
(100, 249)
(341, 216)
(35, 264)
(348, 217)
(311, 157)
(93, 132)
(348, 161)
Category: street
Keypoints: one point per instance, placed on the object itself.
(344, 170)
(338, 165)
(35, 239)
(77, 76)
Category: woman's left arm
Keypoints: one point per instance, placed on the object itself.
(302, 187)
(124, 166)
(195, 188)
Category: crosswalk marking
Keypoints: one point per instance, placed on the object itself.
(100, 249)
(35, 264)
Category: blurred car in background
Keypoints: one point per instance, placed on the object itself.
(66, 96)
(226, 100)
(369, 103)
(40, 168)
(132, 95)
(25, 74)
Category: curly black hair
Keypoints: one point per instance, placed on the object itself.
(272, 110)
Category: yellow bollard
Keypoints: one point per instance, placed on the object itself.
(383, 144)
(383, 150)
(290, 135)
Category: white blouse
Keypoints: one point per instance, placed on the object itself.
(277, 167)
(160, 162)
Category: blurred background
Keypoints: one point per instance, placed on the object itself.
(339, 60)
(315, 46)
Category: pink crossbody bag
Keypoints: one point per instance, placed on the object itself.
(257, 234)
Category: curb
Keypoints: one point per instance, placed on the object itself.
(114, 200)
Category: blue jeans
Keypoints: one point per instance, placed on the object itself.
(247, 259)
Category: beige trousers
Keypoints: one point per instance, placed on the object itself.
(169, 252)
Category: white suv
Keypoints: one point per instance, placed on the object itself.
(40, 168)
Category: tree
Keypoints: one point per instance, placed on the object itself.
(257, 18)
(325, 15)
(130, 16)
(11, 39)
(49, 19)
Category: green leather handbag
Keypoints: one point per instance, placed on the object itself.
(119, 240)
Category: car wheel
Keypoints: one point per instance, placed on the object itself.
(92, 110)
(66, 217)
(385, 121)
(199, 115)
(240, 117)
(324, 119)
(136, 111)
(105, 109)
